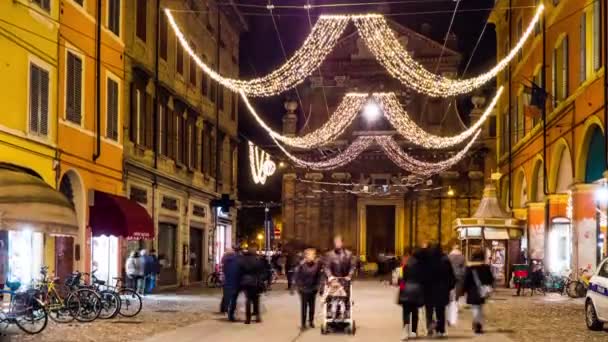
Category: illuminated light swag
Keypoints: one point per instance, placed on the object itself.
(402, 122)
(312, 53)
(384, 45)
(259, 162)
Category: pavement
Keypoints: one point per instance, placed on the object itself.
(377, 317)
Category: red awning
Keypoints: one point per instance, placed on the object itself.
(120, 216)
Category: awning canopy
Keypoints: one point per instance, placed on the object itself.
(120, 216)
(27, 202)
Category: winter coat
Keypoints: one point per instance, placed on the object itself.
(251, 269)
(134, 267)
(230, 266)
(439, 278)
(339, 263)
(308, 276)
(470, 287)
(458, 264)
(412, 280)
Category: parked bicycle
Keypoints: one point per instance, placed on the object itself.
(110, 300)
(24, 309)
(576, 286)
(90, 301)
(126, 301)
(61, 305)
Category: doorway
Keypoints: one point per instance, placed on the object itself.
(64, 256)
(167, 253)
(105, 257)
(380, 231)
(196, 255)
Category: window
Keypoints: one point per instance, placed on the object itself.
(207, 149)
(537, 78)
(508, 68)
(171, 135)
(520, 32)
(137, 106)
(141, 19)
(114, 16)
(212, 90)
(514, 121)
(521, 119)
(220, 96)
(560, 71)
(80, 2)
(73, 89)
(603, 272)
(220, 157)
(181, 138)
(492, 128)
(583, 48)
(44, 4)
(205, 84)
(201, 150)
(597, 44)
(39, 100)
(192, 67)
(179, 59)
(505, 132)
(537, 27)
(235, 105)
(193, 145)
(163, 37)
(112, 110)
(162, 129)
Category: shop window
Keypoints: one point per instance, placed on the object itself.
(141, 19)
(73, 88)
(25, 255)
(105, 257)
(114, 16)
(112, 110)
(39, 100)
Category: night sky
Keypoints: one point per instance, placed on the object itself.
(260, 53)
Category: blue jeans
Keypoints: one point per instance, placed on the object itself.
(150, 283)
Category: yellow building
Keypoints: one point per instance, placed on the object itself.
(90, 144)
(28, 130)
(559, 203)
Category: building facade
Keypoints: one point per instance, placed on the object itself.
(180, 131)
(379, 208)
(552, 174)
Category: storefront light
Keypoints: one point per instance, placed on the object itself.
(601, 194)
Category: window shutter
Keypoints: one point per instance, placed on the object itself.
(583, 49)
(114, 16)
(44, 102)
(162, 132)
(163, 37)
(554, 77)
(565, 68)
(179, 59)
(74, 89)
(141, 118)
(597, 44)
(201, 150)
(170, 134)
(180, 142)
(149, 122)
(133, 115)
(194, 146)
(34, 98)
(220, 96)
(112, 110)
(141, 17)
(192, 67)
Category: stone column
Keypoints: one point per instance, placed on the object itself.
(289, 206)
(290, 119)
(313, 213)
(536, 231)
(584, 226)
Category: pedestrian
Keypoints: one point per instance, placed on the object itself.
(439, 282)
(292, 261)
(143, 272)
(307, 278)
(230, 267)
(411, 296)
(458, 266)
(152, 269)
(251, 269)
(478, 280)
(132, 269)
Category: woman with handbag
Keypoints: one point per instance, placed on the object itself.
(411, 297)
(478, 282)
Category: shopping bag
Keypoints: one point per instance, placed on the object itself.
(453, 313)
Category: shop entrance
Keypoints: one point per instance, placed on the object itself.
(167, 253)
(560, 242)
(380, 237)
(223, 239)
(105, 257)
(196, 254)
(25, 255)
(64, 254)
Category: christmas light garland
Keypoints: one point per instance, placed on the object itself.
(261, 165)
(401, 121)
(312, 53)
(394, 152)
(342, 117)
(384, 45)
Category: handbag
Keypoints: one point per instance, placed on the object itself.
(484, 290)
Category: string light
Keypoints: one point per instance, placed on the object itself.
(384, 45)
(312, 53)
(342, 117)
(394, 152)
(261, 165)
(401, 121)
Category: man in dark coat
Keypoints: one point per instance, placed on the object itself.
(307, 277)
(411, 296)
(440, 281)
(477, 274)
(251, 268)
(230, 266)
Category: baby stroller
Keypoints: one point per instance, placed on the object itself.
(337, 307)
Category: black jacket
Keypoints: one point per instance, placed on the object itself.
(413, 280)
(308, 276)
(439, 278)
(484, 273)
(251, 269)
(339, 263)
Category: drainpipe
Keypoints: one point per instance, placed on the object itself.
(217, 107)
(545, 180)
(510, 192)
(97, 152)
(155, 122)
(604, 42)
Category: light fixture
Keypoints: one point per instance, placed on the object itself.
(371, 111)
(260, 164)
(282, 164)
(260, 236)
(269, 167)
(450, 191)
(601, 194)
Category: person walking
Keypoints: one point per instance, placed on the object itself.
(439, 282)
(230, 266)
(307, 278)
(458, 266)
(132, 269)
(152, 271)
(251, 269)
(411, 296)
(478, 279)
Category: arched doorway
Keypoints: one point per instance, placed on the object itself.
(521, 192)
(564, 172)
(538, 182)
(67, 251)
(596, 156)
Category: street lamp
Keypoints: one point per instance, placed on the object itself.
(450, 191)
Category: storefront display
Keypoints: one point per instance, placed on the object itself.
(105, 257)
(25, 255)
(560, 246)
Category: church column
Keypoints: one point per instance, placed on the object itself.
(289, 207)
(313, 217)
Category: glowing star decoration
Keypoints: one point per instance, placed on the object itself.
(401, 121)
(385, 46)
(261, 165)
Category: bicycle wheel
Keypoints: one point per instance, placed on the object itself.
(581, 290)
(110, 304)
(62, 311)
(130, 303)
(571, 289)
(32, 319)
(90, 304)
